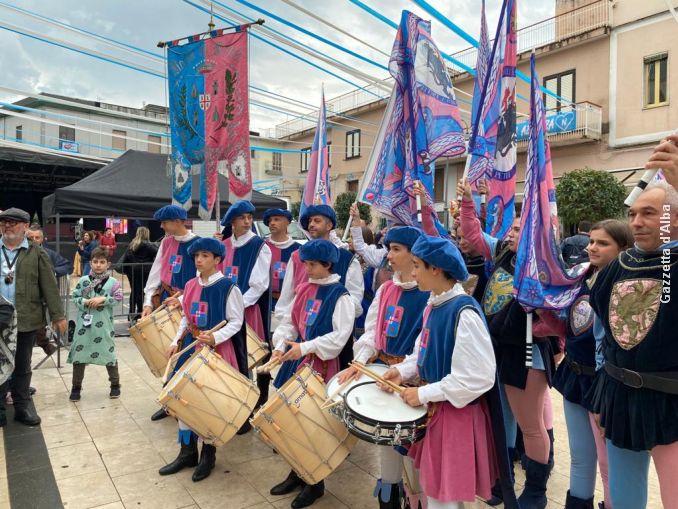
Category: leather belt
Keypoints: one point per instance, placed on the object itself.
(662, 381)
(578, 368)
(387, 358)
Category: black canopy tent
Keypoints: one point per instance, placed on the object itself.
(133, 186)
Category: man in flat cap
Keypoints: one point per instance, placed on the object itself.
(26, 280)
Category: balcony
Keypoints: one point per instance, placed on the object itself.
(580, 122)
(558, 29)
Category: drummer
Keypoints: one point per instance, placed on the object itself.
(314, 332)
(172, 266)
(208, 299)
(282, 246)
(392, 325)
(319, 221)
(454, 359)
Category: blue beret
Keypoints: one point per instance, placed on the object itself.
(318, 210)
(207, 244)
(319, 250)
(405, 235)
(277, 212)
(170, 213)
(236, 210)
(441, 253)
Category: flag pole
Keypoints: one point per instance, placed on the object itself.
(207, 35)
(528, 342)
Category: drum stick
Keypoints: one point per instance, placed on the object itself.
(329, 401)
(327, 406)
(366, 371)
(184, 350)
(163, 306)
(266, 368)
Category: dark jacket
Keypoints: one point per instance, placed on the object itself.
(62, 266)
(86, 251)
(35, 284)
(574, 249)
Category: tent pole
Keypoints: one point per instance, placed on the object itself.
(58, 233)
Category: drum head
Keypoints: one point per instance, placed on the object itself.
(334, 384)
(368, 401)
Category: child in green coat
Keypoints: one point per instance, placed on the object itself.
(93, 341)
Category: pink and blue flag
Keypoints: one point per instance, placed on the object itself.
(493, 142)
(209, 115)
(421, 124)
(317, 188)
(542, 279)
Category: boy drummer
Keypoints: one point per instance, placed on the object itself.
(454, 359)
(392, 325)
(314, 332)
(208, 300)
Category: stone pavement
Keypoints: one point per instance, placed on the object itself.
(106, 453)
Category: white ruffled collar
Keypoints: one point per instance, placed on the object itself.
(331, 279)
(441, 298)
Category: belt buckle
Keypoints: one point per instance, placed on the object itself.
(631, 378)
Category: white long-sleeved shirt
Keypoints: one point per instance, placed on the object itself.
(473, 362)
(364, 348)
(328, 346)
(260, 275)
(372, 254)
(355, 285)
(234, 312)
(154, 280)
(281, 245)
(334, 239)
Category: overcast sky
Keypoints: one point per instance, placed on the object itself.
(31, 65)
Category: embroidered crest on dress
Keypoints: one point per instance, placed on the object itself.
(199, 313)
(425, 333)
(394, 315)
(470, 284)
(499, 292)
(312, 309)
(581, 316)
(175, 263)
(634, 305)
(231, 273)
(279, 269)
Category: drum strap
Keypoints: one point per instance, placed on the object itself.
(156, 299)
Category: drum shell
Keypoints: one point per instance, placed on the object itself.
(257, 350)
(153, 336)
(210, 396)
(311, 440)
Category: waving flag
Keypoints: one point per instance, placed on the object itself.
(209, 115)
(542, 279)
(493, 142)
(482, 162)
(317, 189)
(420, 124)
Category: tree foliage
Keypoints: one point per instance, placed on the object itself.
(296, 207)
(342, 206)
(590, 195)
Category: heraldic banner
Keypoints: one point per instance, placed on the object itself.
(209, 115)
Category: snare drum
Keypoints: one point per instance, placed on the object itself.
(211, 397)
(257, 349)
(153, 336)
(381, 417)
(333, 385)
(312, 441)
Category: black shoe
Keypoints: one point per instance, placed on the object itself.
(263, 384)
(160, 414)
(536, 477)
(115, 392)
(208, 457)
(290, 484)
(26, 416)
(388, 495)
(188, 457)
(244, 428)
(32, 390)
(308, 495)
(75, 394)
(497, 496)
(578, 503)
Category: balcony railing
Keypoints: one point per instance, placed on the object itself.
(340, 104)
(555, 29)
